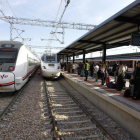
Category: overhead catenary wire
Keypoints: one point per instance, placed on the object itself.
(68, 1)
(51, 36)
(31, 12)
(19, 34)
(10, 8)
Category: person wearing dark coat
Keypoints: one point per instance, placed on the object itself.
(121, 74)
(114, 70)
(91, 69)
(136, 76)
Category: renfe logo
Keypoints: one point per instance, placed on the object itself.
(3, 76)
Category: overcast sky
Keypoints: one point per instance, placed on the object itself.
(78, 11)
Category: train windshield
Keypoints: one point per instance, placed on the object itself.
(7, 57)
(50, 57)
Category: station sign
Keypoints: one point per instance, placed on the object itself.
(135, 39)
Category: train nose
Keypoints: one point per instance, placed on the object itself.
(7, 82)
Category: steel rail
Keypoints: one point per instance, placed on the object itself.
(14, 99)
(102, 128)
(52, 113)
(12, 102)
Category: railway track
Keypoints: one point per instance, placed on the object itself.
(56, 111)
(70, 119)
(74, 117)
(12, 103)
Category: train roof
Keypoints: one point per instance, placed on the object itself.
(11, 42)
(116, 58)
(121, 56)
(128, 56)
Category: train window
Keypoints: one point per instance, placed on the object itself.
(7, 45)
(7, 57)
(111, 63)
(128, 63)
(50, 57)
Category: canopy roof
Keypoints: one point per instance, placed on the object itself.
(114, 32)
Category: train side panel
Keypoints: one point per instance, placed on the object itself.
(25, 67)
(21, 68)
(7, 82)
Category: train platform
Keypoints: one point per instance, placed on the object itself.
(125, 111)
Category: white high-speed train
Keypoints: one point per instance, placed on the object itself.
(50, 65)
(17, 64)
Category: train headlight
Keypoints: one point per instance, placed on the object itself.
(11, 68)
(44, 67)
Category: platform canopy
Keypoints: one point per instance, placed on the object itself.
(113, 32)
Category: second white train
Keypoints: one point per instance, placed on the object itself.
(50, 65)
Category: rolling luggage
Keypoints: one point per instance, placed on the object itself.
(110, 85)
(107, 80)
(131, 89)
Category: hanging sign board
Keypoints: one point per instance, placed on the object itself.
(135, 39)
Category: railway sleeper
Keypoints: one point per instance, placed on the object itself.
(73, 122)
(77, 129)
(63, 102)
(73, 104)
(56, 108)
(80, 137)
(69, 112)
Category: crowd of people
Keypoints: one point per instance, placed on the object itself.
(102, 70)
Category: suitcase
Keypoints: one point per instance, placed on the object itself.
(107, 80)
(127, 93)
(131, 89)
(110, 85)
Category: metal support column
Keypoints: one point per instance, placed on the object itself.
(104, 53)
(83, 56)
(67, 59)
(73, 58)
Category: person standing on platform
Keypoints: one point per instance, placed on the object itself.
(114, 70)
(82, 70)
(91, 69)
(96, 69)
(79, 68)
(136, 76)
(68, 67)
(121, 74)
(102, 73)
(86, 69)
(73, 67)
